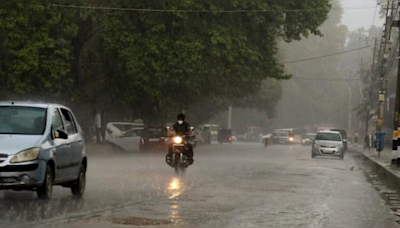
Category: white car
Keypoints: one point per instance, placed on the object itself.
(116, 129)
(328, 143)
(128, 141)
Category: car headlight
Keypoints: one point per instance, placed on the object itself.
(316, 145)
(26, 155)
(178, 139)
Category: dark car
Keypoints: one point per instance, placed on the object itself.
(153, 138)
(344, 137)
(224, 135)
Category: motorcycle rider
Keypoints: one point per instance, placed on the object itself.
(181, 128)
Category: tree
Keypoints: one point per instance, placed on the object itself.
(145, 63)
(35, 48)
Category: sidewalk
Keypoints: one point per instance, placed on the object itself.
(382, 164)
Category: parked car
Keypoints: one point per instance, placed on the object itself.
(328, 143)
(308, 139)
(213, 131)
(128, 141)
(224, 136)
(153, 138)
(116, 129)
(199, 135)
(344, 137)
(41, 146)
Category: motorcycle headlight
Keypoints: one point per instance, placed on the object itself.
(178, 139)
(291, 139)
(26, 155)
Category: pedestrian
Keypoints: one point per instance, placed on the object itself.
(356, 138)
(97, 125)
(103, 124)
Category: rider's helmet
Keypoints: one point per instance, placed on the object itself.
(181, 116)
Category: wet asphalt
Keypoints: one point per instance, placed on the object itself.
(239, 185)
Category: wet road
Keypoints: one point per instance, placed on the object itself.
(228, 186)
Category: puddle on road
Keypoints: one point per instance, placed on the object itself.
(128, 221)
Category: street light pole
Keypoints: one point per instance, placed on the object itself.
(349, 107)
(230, 117)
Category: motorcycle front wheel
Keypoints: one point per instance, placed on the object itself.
(177, 160)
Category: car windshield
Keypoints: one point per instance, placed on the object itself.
(154, 132)
(225, 132)
(328, 137)
(22, 120)
(280, 134)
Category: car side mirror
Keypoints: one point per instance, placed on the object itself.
(60, 134)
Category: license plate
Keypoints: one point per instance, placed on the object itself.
(154, 140)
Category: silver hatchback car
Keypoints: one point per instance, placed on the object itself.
(328, 143)
(41, 146)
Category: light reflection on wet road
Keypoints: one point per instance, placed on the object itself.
(228, 186)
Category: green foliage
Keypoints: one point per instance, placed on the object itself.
(148, 63)
(34, 42)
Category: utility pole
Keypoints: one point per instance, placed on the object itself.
(396, 125)
(230, 117)
(382, 84)
(372, 70)
(350, 108)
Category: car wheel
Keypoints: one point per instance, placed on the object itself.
(79, 185)
(46, 190)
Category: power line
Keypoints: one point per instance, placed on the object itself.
(373, 21)
(326, 79)
(329, 55)
(203, 11)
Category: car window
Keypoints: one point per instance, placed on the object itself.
(56, 120)
(328, 137)
(22, 120)
(133, 133)
(70, 125)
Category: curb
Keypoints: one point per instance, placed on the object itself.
(383, 172)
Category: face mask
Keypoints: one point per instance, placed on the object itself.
(180, 122)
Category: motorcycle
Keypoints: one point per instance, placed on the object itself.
(179, 161)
